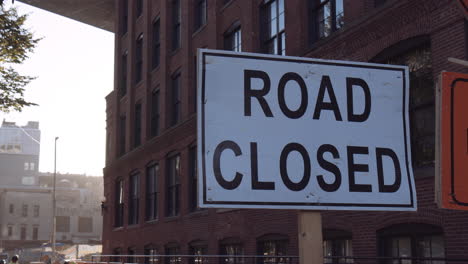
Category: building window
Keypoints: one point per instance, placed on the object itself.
(156, 44)
(176, 19)
(26, 166)
(36, 211)
(275, 246)
(175, 100)
(119, 203)
(131, 255)
(12, 209)
(272, 30)
(326, 16)
(134, 199)
(23, 232)
(411, 240)
(152, 178)
(233, 38)
(337, 244)
(151, 253)
(139, 8)
(200, 13)
(35, 232)
(10, 230)
(24, 211)
(155, 113)
(85, 224)
(173, 186)
(63, 223)
(172, 250)
(193, 179)
(116, 252)
(124, 21)
(197, 249)
(137, 126)
(231, 247)
(32, 166)
(122, 134)
(139, 59)
(123, 75)
(422, 95)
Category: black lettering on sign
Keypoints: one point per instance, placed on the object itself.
(259, 94)
(380, 152)
(292, 76)
(352, 117)
(284, 171)
(329, 167)
(256, 184)
(228, 185)
(353, 167)
(326, 85)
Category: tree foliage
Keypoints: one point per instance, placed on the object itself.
(16, 42)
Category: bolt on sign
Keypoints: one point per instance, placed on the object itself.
(452, 181)
(298, 133)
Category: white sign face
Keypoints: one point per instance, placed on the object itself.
(298, 133)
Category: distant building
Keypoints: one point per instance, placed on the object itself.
(19, 153)
(26, 195)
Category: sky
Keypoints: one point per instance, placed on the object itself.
(73, 64)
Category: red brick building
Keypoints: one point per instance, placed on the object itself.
(150, 173)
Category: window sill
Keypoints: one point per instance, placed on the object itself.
(155, 69)
(171, 218)
(197, 213)
(120, 228)
(174, 52)
(133, 226)
(201, 28)
(226, 5)
(152, 221)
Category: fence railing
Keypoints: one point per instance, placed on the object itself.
(261, 259)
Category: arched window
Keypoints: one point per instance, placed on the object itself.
(198, 248)
(411, 240)
(150, 252)
(119, 202)
(274, 246)
(233, 248)
(337, 245)
(416, 54)
(172, 250)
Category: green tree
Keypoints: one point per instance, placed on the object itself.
(16, 42)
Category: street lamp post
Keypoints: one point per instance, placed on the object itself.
(54, 207)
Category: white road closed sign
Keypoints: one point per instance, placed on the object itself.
(298, 133)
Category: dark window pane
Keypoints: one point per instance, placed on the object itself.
(175, 99)
(152, 177)
(273, 28)
(193, 179)
(137, 125)
(155, 113)
(176, 19)
(123, 76)
(134, 199)
(156, 50)
(173, 186)
(326, 17)
(122, 134)
(139, 59)
(200, 13)
(124, 21)
(119, 203)
(139, 7)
